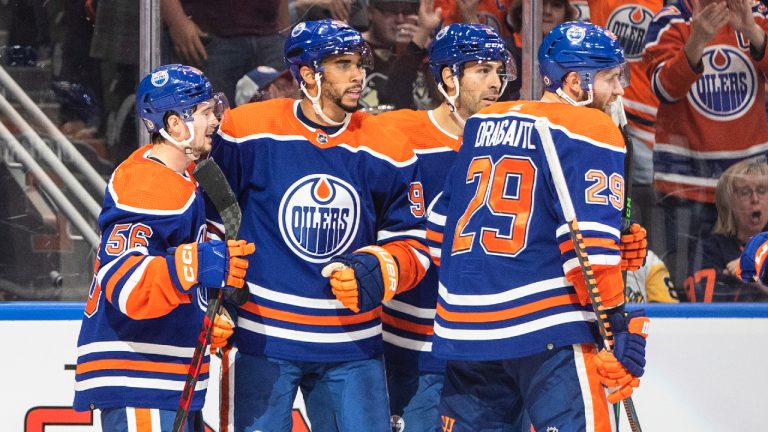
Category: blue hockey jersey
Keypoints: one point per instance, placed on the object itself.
(408, 318)
(307, 196)
(505, 248)
(139, 332)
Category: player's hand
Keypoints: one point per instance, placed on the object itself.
(629, 334)
(362, 280)
(614, 376)
(634, 247)
(223, 328)
(753, 259)
(212, 264)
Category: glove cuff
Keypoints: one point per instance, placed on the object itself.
(617, 319)
(390, 273)
(177, 272)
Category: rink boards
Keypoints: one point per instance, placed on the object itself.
(706, 370)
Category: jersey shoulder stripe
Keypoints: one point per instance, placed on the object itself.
(586, 124)
(131, 191)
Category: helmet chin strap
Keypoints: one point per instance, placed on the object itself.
(316, 102)
(184, 144)
(452, 101)
(571, 101)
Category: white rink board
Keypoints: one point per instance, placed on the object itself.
(704, 374)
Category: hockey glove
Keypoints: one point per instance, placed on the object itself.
(362, 280)
(629, 335)
(614, 376)
(223, 327)
(634, 247)
(753, 259)
(212, 264)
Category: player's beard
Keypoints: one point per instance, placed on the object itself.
(338, 100)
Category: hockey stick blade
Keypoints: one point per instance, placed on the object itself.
(564, 196)
(214, 183)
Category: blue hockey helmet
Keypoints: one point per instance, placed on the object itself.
(580, 47)
(457, 44)
(175, 88)
(311, 42)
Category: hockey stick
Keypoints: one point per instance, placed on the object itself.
(630, 145)
(542, 126)
(213, 182)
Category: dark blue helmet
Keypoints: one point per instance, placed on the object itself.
(579, 47)
(457, 44)
(174, 88)
(311, 42)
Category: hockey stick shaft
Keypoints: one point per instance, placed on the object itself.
(556, 170)
(630, 146)
(214, 183)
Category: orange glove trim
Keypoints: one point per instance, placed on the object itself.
(389, 270)
(238, 266)
(223, 328)
(634, 247)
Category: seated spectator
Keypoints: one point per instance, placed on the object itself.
(741, 197)
(264, 83)
(553, 13)
(353, 12)
(651, 283)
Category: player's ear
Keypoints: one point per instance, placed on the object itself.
(447, 76)
(175, 126)
(572, 83)
(308, 75)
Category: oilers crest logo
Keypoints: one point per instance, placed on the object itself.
(727, 88)
(319, 217)
(629, 23)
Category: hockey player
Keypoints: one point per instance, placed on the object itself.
(471, 67)
(149, 292)
(513, 318)
(324, 188)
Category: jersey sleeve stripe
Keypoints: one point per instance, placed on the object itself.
(297, 318)
(434, 236)
(567, 245)
(608, 260)
(585, 226)
(125, 267)
(136, 276)
(389, 235)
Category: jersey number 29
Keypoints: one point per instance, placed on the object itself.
(495, 193)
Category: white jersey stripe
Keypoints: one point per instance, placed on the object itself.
(515, 330)
(590, 226)
(593, 260)
(306, 302)
(502, 297)
(136, 275)
(417, 233)
(134, 347)
(411, 344)
(411, 310)
(132, 382)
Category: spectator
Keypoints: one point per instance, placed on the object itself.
(353, 12)
(226, 39)
(264, 83)
(392, 25)
(742, 211)
(553, 13)
(629, 21)
(707, 66)
(489, 12)
(651, 283)
(409, 84)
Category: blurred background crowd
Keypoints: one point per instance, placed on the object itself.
(69, 69)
